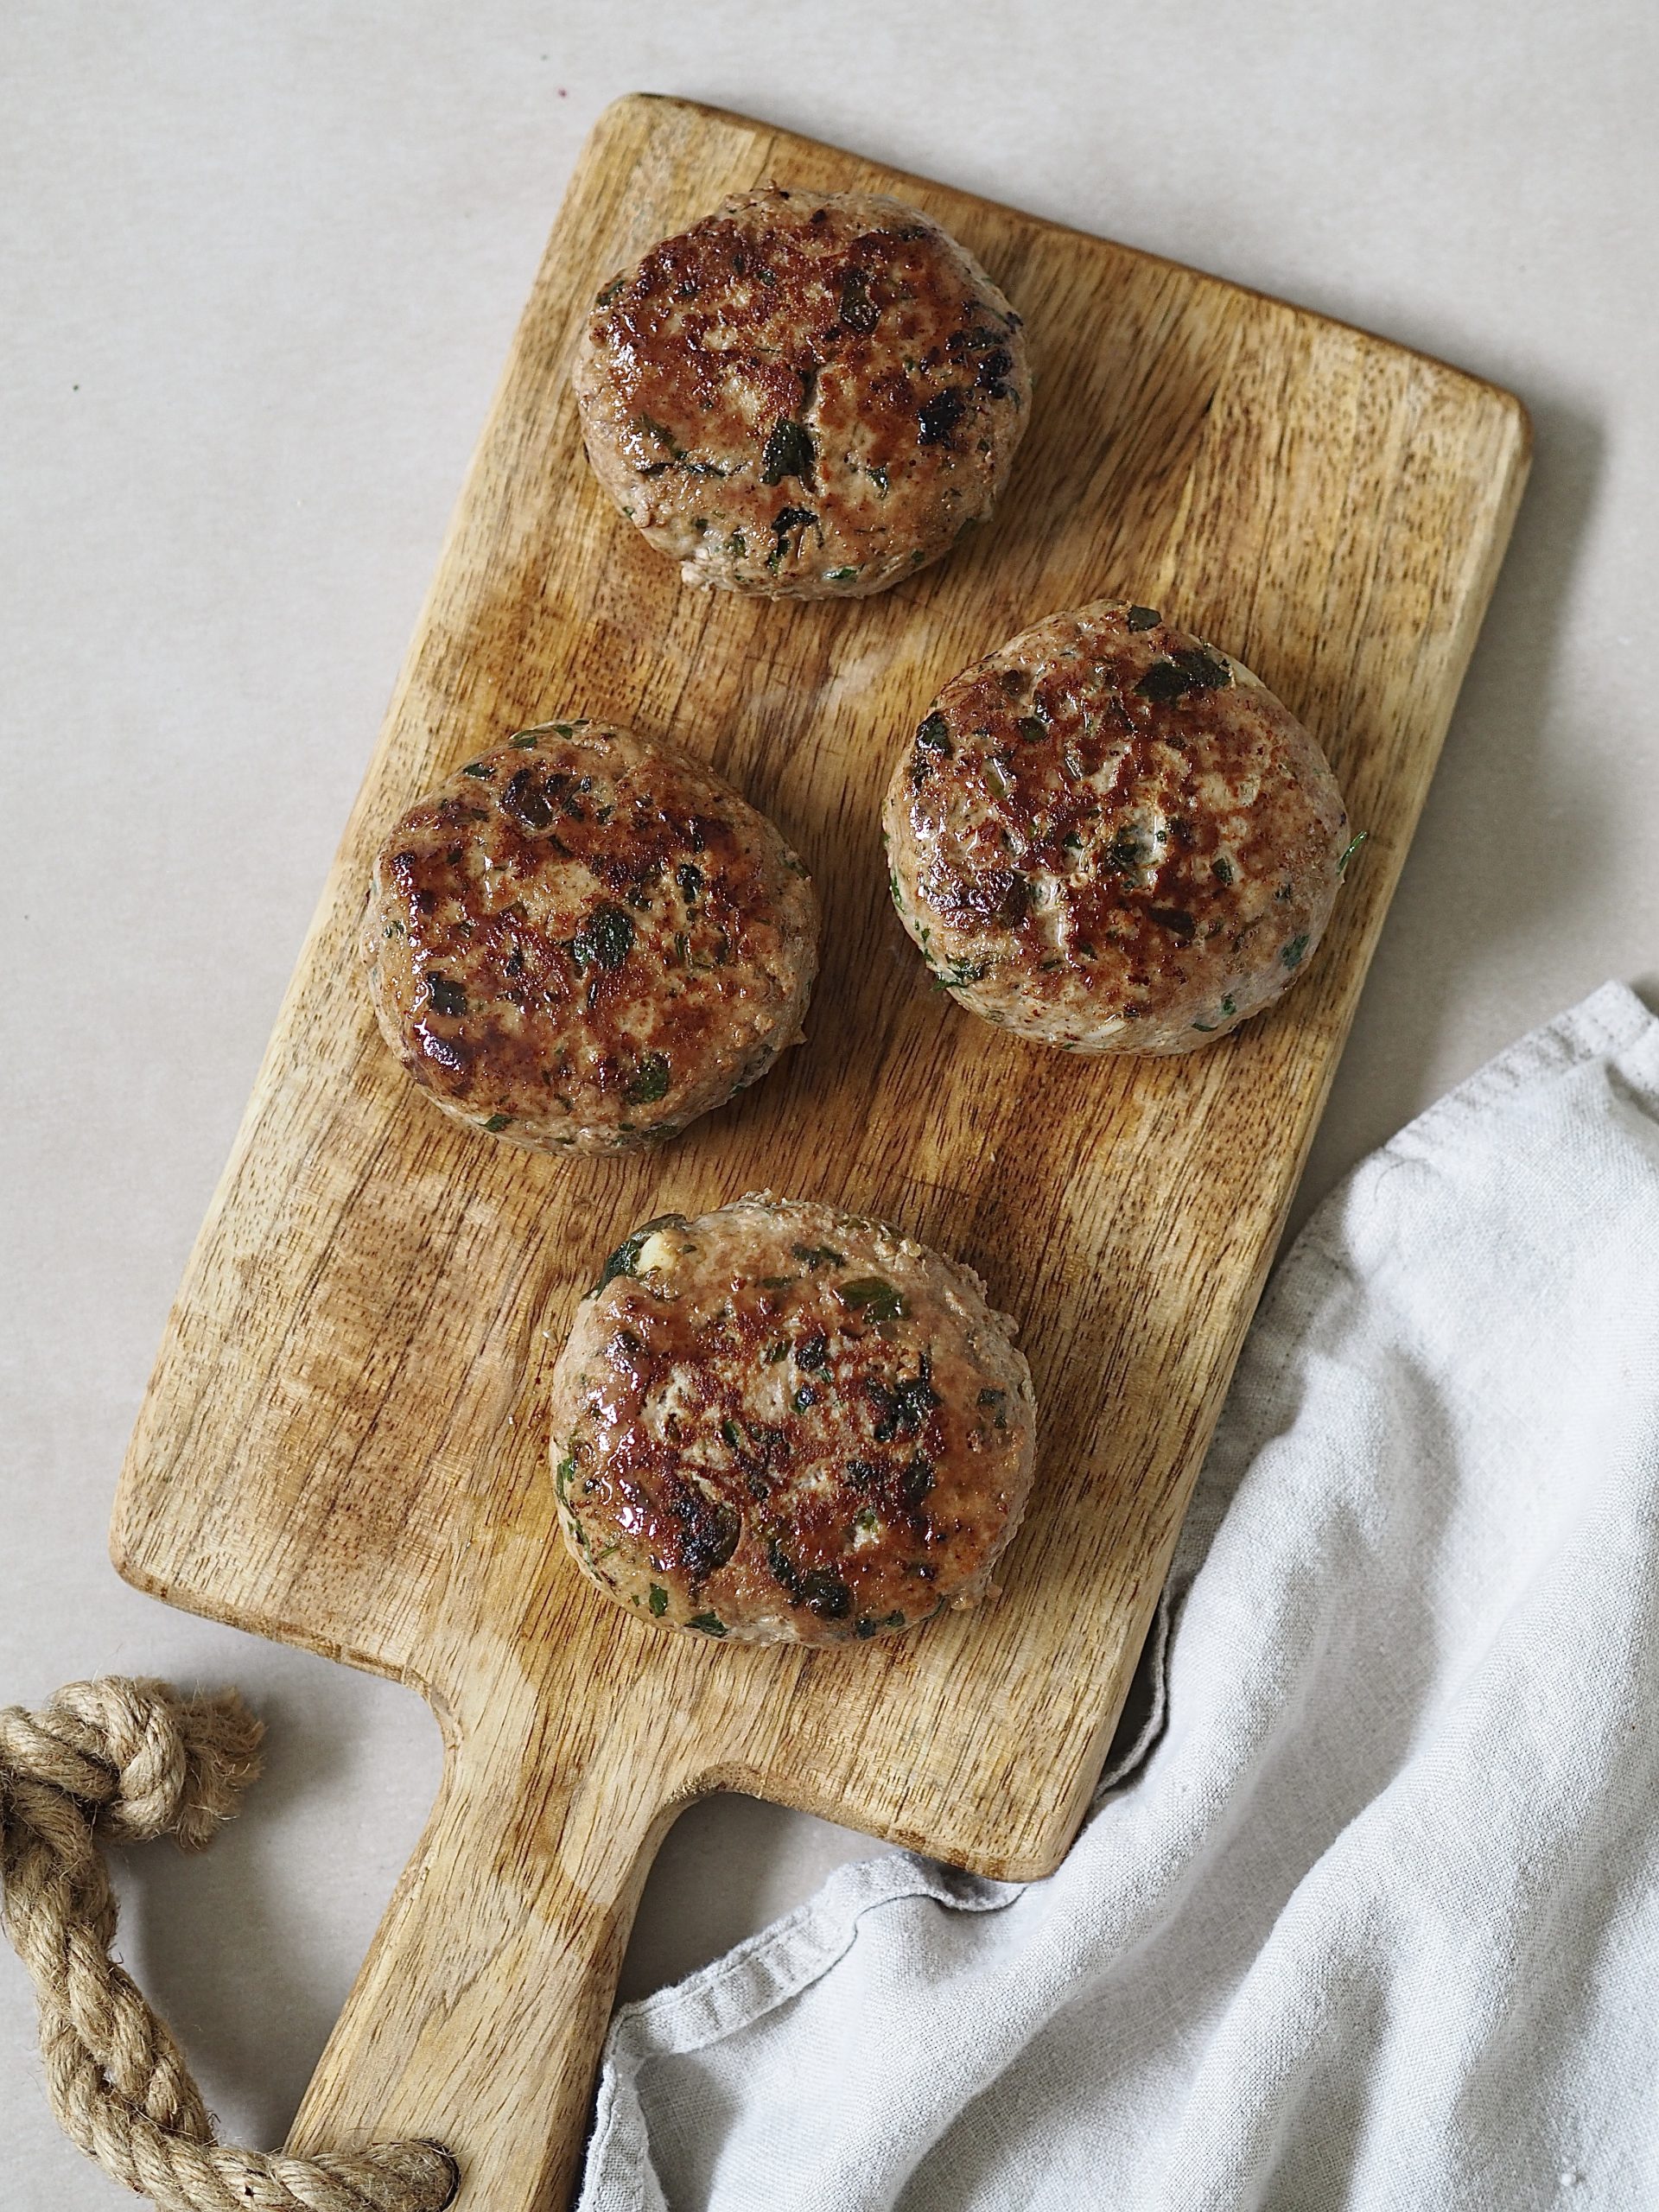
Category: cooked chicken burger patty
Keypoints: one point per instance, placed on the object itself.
(583, 941)
(1109, 836)
(803, 396)
(781, 1423)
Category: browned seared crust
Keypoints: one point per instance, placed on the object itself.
(802, 395)
(782, 1423)
(1109, 836)
(581, 941)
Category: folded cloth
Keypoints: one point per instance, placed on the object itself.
(1375, 1924)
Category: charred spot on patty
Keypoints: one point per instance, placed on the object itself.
(1173, 919)
(600, 1022)
(994, 368)
(777, 1456)
(756, 350)
(903, 1406)
(526, 800)
(939, 417)
(826, 1594)
(1154, 802)
(915, 1482)
(996, 898)
(707, 1529)
(1188, 669)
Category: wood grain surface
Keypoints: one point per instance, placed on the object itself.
(344, 1443)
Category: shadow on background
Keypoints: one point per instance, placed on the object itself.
(243, 1948)
(1507, 842)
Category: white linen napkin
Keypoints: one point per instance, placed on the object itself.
(1376, 1923)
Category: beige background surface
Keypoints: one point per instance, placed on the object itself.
(258, 269)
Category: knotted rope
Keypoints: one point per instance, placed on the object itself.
(131, 1760)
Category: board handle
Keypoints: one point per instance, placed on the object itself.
(479, 2016)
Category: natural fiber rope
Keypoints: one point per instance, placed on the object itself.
(131, 1760)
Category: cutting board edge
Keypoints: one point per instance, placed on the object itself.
(537, 1905)
(127, 1553)
(616, 111)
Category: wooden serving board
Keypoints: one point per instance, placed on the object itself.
(344, 1443)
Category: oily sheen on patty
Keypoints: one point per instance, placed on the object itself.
(581, 940)
(1109, 836)
(806, 395)
(780, 1422)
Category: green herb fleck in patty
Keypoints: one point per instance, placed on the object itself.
(874, 1296)
(604, 938)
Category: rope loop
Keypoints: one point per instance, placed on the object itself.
(129, 1761)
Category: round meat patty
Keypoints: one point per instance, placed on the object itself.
(583, 941)
(1111, 838)
(780, 1423)
(803, 396)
